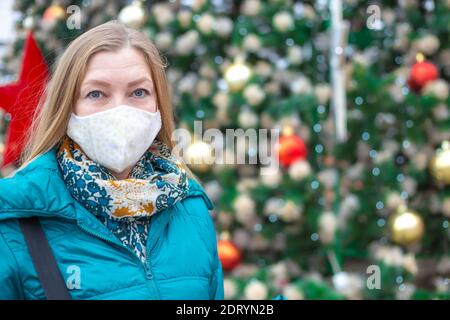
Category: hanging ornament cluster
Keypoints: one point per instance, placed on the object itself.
(237, 74)
(290, 148)
(406, 226)
(229, 254)
(440, 164)
(133, 15)
(422, 72)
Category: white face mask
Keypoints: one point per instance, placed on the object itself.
(116, 138)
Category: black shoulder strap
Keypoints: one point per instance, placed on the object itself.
(43, 260)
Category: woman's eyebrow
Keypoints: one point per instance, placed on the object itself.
(140, 80)
(106, 84)
(97, 82)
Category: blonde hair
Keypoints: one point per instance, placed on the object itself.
(57, 101)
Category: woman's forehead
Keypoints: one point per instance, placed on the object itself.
(126, 58)
(127, 65)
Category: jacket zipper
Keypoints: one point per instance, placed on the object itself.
(146, 265)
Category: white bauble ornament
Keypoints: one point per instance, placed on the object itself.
(184, 18)
(133, 15)
(230, 289)
(394, 200)
(388, 16)
(408, 4)
(446, 207)
(186, 43)
(328, 177)
(279, 270)
(164, 40)
(29, 22)
(206, 24)
(246, 184)
(409, 185)
(270, 177)
(301, 86)
(283, 21)
(410, 263)
(244, 207)
(441, 112)
(405, 291)
(327, 227)
(221, 100)
(299, 170)
(251, 42)
(187, 83)
(350, 203)
(256, 290)
(204, 88)
(254, 94)
(196, 5)
(163, 14)
(428, 44)
(290, 212)
(224, 26)
(308, 12)
(213, 190)
(292, 292)
(273, 206)
(350, 285)
(444, 57)
(322, 91)
(437, 88)
(389, 255)
(248, 118)
(263, 69)
(241, 238)
(251, 7)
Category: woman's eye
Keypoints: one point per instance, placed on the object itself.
(140, 93)
(96, 94)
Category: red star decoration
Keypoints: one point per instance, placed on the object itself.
(20, 99)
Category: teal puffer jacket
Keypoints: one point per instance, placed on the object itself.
(182, 259)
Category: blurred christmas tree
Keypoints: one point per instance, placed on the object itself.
(335, 213)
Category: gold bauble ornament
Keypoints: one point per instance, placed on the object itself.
(237, 75)
(406, 226)
(53, 14)
(199, 156)
(133, 15)
(440, 164)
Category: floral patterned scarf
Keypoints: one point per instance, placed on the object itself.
(156, 182)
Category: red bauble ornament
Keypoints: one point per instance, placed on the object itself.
(291, 148)
(229, 254)
(421, 73)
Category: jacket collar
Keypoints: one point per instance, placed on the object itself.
(39, 189)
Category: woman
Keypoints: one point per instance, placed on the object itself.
(124, 218)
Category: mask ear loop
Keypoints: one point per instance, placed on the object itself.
(151, 146)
